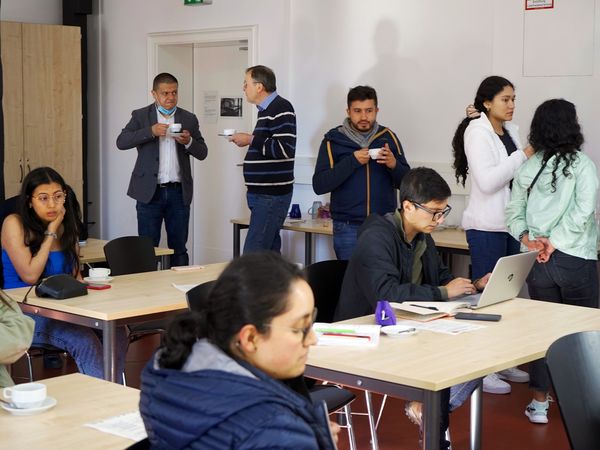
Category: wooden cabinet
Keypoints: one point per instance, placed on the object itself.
(42, 102)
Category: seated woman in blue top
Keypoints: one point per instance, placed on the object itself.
(40, 240)
(228, 377)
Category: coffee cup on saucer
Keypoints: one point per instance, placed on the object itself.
(374, 152)
(175, 128)
(27, 395)
(99, 273)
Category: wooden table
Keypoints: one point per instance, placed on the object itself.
(81, 399)
(418, 367)
(132, 298)
(93, 252)
(449, 240)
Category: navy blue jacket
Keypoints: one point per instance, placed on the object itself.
(358, 190)
(216, 408)
(381, 269)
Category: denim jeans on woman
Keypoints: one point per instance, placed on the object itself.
(563, 279)
(487, 247)
(267, 213)
(82, 343)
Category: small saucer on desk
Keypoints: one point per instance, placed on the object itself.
(48, 403)
(398, 330)
(98, 280)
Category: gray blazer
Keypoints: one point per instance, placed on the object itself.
(138, 133)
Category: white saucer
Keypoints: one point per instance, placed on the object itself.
(49, 402)
(99, 280)
(398, 330)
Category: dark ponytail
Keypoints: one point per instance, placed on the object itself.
(488, 89)
(253, 289)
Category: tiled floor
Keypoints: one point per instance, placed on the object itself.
(504, 424)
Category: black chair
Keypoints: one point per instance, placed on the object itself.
(134, 254)
(335, 397)
(325, 279)
(144, 444)
(574, 365)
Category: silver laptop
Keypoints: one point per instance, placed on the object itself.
(506, 281)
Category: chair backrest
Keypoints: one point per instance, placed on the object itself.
(574, 365)
(130, 254)
(325, 278)
(198, 295)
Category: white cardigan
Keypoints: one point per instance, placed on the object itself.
(490, 170)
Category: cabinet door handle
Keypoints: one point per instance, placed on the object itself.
(28, 167)
(21, 169)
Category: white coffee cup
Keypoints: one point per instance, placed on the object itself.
(27, 395)
(175, 128)
(374, 152)
(100, 273)
(229, 131)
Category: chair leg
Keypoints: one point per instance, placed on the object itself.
(369, 402)
(29, 367)
(448, 437)
(350, 427)
(124, 379)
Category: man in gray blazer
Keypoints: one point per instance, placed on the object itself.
(165, 136)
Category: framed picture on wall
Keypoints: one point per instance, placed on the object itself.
(231, 106)
(539, 4)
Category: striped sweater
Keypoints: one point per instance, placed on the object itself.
(269, 162)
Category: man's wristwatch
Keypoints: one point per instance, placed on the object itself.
(523, 233)
(50, 233)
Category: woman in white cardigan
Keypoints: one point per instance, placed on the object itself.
(489, 150)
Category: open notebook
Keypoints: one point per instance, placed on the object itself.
(425, 311)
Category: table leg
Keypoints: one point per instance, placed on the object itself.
(109, 337)
(476, 409)
(308, 245)
(432, 416)
(371, 415)
(236, 239)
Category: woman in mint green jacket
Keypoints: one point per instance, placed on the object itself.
(552, 210)
(16, 333)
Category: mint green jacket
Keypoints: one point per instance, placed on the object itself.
(16, 334)
(565, 216)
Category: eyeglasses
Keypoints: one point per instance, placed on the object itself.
(58, 197)
(303, 331)
(435, 215)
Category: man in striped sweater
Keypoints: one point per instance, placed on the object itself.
(269, 161)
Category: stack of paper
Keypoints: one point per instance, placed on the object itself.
(426, 311)
(346, 334)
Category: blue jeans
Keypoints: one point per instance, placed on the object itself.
(267, 213)
(167, 203)
(563, 279)
(487, 247)
(345, 235)
(82, 343)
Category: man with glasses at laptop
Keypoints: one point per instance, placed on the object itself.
(395, 259)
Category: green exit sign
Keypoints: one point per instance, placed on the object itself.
(197, 2)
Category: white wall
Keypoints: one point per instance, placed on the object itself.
(32, 11)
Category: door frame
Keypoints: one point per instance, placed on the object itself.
(217, 36)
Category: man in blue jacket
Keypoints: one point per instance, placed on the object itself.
(360, 183)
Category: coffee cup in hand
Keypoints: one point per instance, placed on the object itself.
(229, 131)
(99, 273)
(27, 395)
(175, 128)
(374, 152)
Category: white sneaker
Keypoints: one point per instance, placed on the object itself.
(494, 385)
(513, 374)
(537, 411)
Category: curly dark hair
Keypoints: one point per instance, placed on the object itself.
(488, 89)
(555, 131)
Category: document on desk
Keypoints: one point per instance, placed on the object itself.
(128, 426)
(184, 287)
(446, 326)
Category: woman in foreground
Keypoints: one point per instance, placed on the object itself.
(226, 378)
